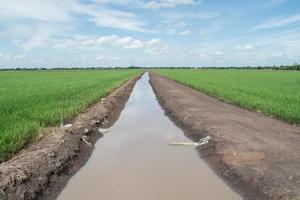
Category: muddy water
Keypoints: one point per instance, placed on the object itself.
(134, 160)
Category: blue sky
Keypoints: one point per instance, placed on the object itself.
(68, 33)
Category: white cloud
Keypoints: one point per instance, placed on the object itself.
(125, 42)
(272, 3)
(277, 55)
(175, 23)
(42, 10)
(107, 58)
(40, 38)
(33, 36)
(7, 56)
(203, 55)
(210, 30)
(152, 4)
(57, 11)
(99, 58)
(19, 57)
(244, 47)
(179, 25)
(116, 58)
(219, 53)
(173, 28)
(198, 15)
(187, 32)
(274, 23)
(248, 47)
(107, 39)
(156, 4)
(154, 41)
(77, 27)
(136, 44)
(171, 31)
(11, 56)
(116, 19)
(94, 42)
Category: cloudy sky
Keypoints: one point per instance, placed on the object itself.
(56, 33)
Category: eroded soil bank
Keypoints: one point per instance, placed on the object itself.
(134, 160)
(42, 170)
(258, 156)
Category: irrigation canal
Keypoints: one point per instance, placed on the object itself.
(135, 161)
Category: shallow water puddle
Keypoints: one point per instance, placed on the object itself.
(135, 161)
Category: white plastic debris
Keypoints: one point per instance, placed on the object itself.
(202, 141)
(103, 130)
(66, 126)
(85, 140)
(195, 144)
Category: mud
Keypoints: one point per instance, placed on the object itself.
(135, 161)
(42, 169)
(257, 156)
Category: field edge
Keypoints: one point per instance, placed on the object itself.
(247, 186)
(41, 170)
(232, 102)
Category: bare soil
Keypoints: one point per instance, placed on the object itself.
(259, 157)
(41, 170)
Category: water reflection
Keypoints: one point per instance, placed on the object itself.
(134, 160)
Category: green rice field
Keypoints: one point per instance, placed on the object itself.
(274, 93)
(30, 100)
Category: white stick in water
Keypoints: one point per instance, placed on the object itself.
(103, 130)
(184, 143)
(201, 142)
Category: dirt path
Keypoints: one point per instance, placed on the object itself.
(258, 156)
(42, 170)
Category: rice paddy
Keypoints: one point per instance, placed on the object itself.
(31, 100)
(274, 93)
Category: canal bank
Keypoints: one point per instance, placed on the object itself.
(135, 161)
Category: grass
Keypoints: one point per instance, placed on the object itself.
(274, 93)
(32, 100)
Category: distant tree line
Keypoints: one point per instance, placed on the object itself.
(295, 66)
(61, 68)
(274, 67)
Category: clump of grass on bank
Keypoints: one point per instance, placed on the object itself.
(275, 93)
(31, 100)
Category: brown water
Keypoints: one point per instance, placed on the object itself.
(134, 161)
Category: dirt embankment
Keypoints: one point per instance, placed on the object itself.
(257, 156)
(43, 169)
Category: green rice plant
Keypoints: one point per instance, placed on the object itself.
(30, 100)
(274, 93)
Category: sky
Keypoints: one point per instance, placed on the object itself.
(107, 33)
